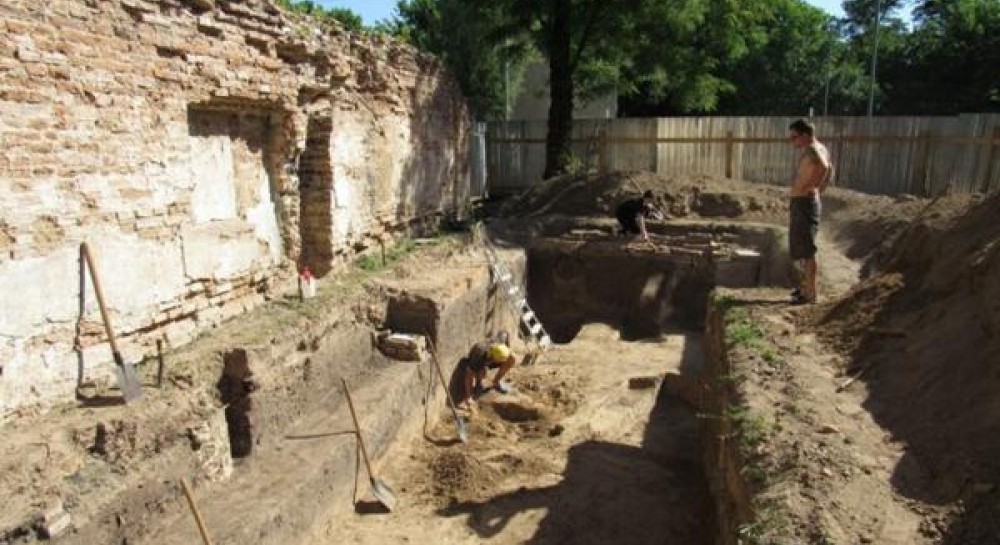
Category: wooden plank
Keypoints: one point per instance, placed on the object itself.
(886, 155)
(987, 163)
(729, 154)
(919, 175)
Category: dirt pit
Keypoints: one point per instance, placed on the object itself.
(868, 418)
(817, 448)
(574, 456)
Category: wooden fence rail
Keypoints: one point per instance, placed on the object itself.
(920, 155)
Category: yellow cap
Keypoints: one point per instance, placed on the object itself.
(499, 353)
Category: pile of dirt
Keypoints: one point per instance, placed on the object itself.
(456, 475)
(678, 196)
(925, 330)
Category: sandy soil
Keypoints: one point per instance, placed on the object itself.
(906, 453)
(574, 456)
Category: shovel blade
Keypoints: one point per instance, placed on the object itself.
(128, 383)
(463, 430)
(383, 493)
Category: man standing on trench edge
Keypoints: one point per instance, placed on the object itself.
(813, 174)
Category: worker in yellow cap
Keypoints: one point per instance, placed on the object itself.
(490, 354)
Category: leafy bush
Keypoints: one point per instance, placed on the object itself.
(345, 16)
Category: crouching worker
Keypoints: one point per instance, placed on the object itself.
(487, 355)
(632, 214)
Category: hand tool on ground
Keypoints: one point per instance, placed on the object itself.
(127, 381)
(159, 363)
(382, 492)
(460, 426)
(197, 514)
(861, 372)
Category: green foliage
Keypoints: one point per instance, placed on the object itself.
(346, 17)
(794, 52)
(749, 429)
(374, 262)
(755, 474)
(575, 165)
(860, 15)
(723, 302)
(948, 63)
(768, 520)
(732, 57)
(465, 36)
(742, 331)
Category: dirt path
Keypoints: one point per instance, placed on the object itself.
(575, 456)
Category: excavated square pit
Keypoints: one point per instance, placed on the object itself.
(584, 273)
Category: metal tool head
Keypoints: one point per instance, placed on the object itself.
(383, 493)
(463, 430)
(127, 380)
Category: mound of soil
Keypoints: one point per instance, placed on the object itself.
(925, 326)
(455, 474)
(599, 194)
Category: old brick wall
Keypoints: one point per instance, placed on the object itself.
(173, 136)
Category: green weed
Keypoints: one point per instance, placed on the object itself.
(750, 429)
(742, 331)
(767, 522)
(374, 262)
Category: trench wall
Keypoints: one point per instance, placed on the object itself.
(642, 293)
(723, 459)
(205, 150)
(287, 416)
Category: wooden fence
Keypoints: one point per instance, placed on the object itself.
(883, 155)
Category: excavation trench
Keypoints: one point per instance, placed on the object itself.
(602, 441)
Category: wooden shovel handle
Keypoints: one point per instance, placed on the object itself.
(85, 251)
(357, 428)
(440, 374)
(197, 514)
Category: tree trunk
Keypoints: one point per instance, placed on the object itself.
(557, 142)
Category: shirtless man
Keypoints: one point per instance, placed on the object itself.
(811, 178)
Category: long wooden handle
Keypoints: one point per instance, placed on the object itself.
(85, 250)
(197, 514)
(357, 428)
(440, 374)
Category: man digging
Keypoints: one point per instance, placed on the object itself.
(632, 213)
(495, 354)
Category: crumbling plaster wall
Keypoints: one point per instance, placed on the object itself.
(167, 135)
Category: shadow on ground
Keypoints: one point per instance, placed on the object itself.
(616, 493)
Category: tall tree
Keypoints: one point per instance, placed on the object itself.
(661, 47)
(794, 59)
(948, 64)
(860, 15)
(464, 36)
(876, 33)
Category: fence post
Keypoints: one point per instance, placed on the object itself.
(920, 180)
(729, 154)
(602, 152)
(987, 161)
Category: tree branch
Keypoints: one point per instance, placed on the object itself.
(591, 22)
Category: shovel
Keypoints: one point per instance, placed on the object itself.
(127, 381)
(460, 426)
(382, 492)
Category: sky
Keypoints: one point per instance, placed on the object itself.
(372, 11)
